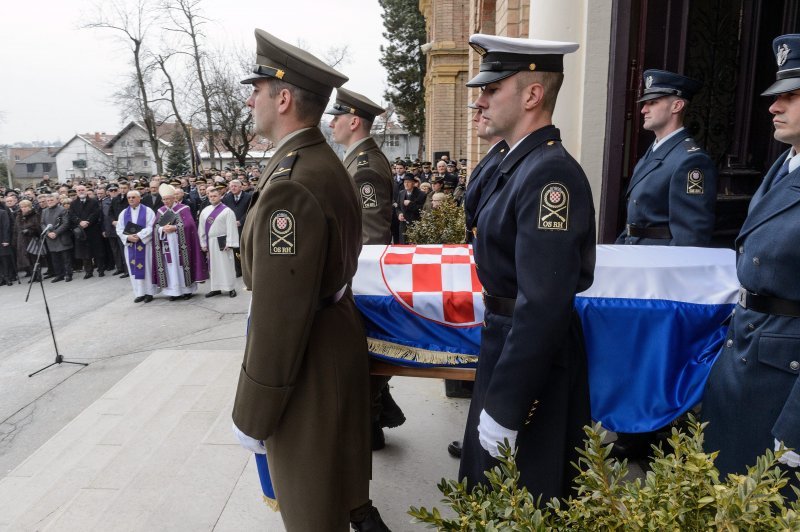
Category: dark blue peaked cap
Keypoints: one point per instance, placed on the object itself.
(787, 55)
(658, 83)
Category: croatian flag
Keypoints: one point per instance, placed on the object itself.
(653, 319)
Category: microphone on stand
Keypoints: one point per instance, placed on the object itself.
(46, 229)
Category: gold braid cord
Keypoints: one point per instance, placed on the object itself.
(272, 503)
(415, 354)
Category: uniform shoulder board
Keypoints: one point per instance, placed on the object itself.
(690, 145)
(362, 161)
(284, 168)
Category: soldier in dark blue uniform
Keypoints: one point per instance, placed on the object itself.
(671, 195)
(477, 179)
(752, 398)
(535, 249)
(673, 190)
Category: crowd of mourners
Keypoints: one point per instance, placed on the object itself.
(74, 222)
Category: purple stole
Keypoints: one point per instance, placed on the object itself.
(136, 251)
(210, 220)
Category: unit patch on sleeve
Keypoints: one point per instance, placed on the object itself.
(368, 198)
(281, 233)
(554, 208)
(694, 184)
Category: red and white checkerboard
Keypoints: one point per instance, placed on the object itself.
(439, 283)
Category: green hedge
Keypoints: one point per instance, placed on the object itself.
(681, 491)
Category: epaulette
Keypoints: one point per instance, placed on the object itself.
(362, 161)
(690, 145)
(284, 168)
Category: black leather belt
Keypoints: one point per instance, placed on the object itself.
(503, 306)
(326, 302)
(768, 304)
(660, 232)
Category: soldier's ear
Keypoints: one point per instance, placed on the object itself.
(678, 105)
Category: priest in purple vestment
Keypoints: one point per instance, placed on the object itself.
(179, 263)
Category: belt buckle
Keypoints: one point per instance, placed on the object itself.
(743, 297)
(628, 229)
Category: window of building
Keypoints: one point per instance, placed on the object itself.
(129, 164)
(30, 168)
(145, 163)
(392, 140)
(140, 144)
(46, 167)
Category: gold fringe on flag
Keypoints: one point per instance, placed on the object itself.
(272, 503)
(415, 354)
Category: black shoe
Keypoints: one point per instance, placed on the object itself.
(633, 446)
(391, 415)
(378, 438)
(232, 293)
(48, 275)
(101, 273)
(174, 298)
(67, 278)
(213, 293)
(372, 523)
(57, 279)
(148, 298)
(188, 296)
(88, 275)
(124, 275)
(118, 272)
(139, 299)
(454, 449)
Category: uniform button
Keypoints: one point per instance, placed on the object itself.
(756, 261)
(729, 343)
(636, 202)
(751, 327)
(741, 249)
(794, 366)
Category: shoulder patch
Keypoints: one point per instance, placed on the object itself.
(695, 181)
(554, 208)
(362, 161)
(281, 233)
(368, 198)
(284, 168)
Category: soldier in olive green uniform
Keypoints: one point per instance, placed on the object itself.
(353, 115)
(303, 387)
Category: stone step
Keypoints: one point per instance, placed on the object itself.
(109, 467)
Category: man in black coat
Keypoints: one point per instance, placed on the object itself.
(238, 201)
(112, 206)
(409, 204)
(153, 199)
(89, 215)
(534, 250)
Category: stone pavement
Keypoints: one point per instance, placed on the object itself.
(140, 439)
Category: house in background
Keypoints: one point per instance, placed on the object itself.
(131, 151)
(393, 139)
(84, 156)
(28, 165)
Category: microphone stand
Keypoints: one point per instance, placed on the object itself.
(37, 273)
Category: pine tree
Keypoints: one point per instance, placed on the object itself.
(404, 61)
(178, 154)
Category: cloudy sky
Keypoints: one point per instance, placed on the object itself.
(56, 79)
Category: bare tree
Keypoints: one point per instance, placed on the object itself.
(232, 118)
(169, 89)
(187, 20)
(131, 21)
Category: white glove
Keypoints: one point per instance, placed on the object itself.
(789, 458)
(490, 433)
(251, 444)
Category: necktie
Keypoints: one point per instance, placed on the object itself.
(782, 172)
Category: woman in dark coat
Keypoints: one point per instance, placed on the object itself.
(26, 229)
(7, 273)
